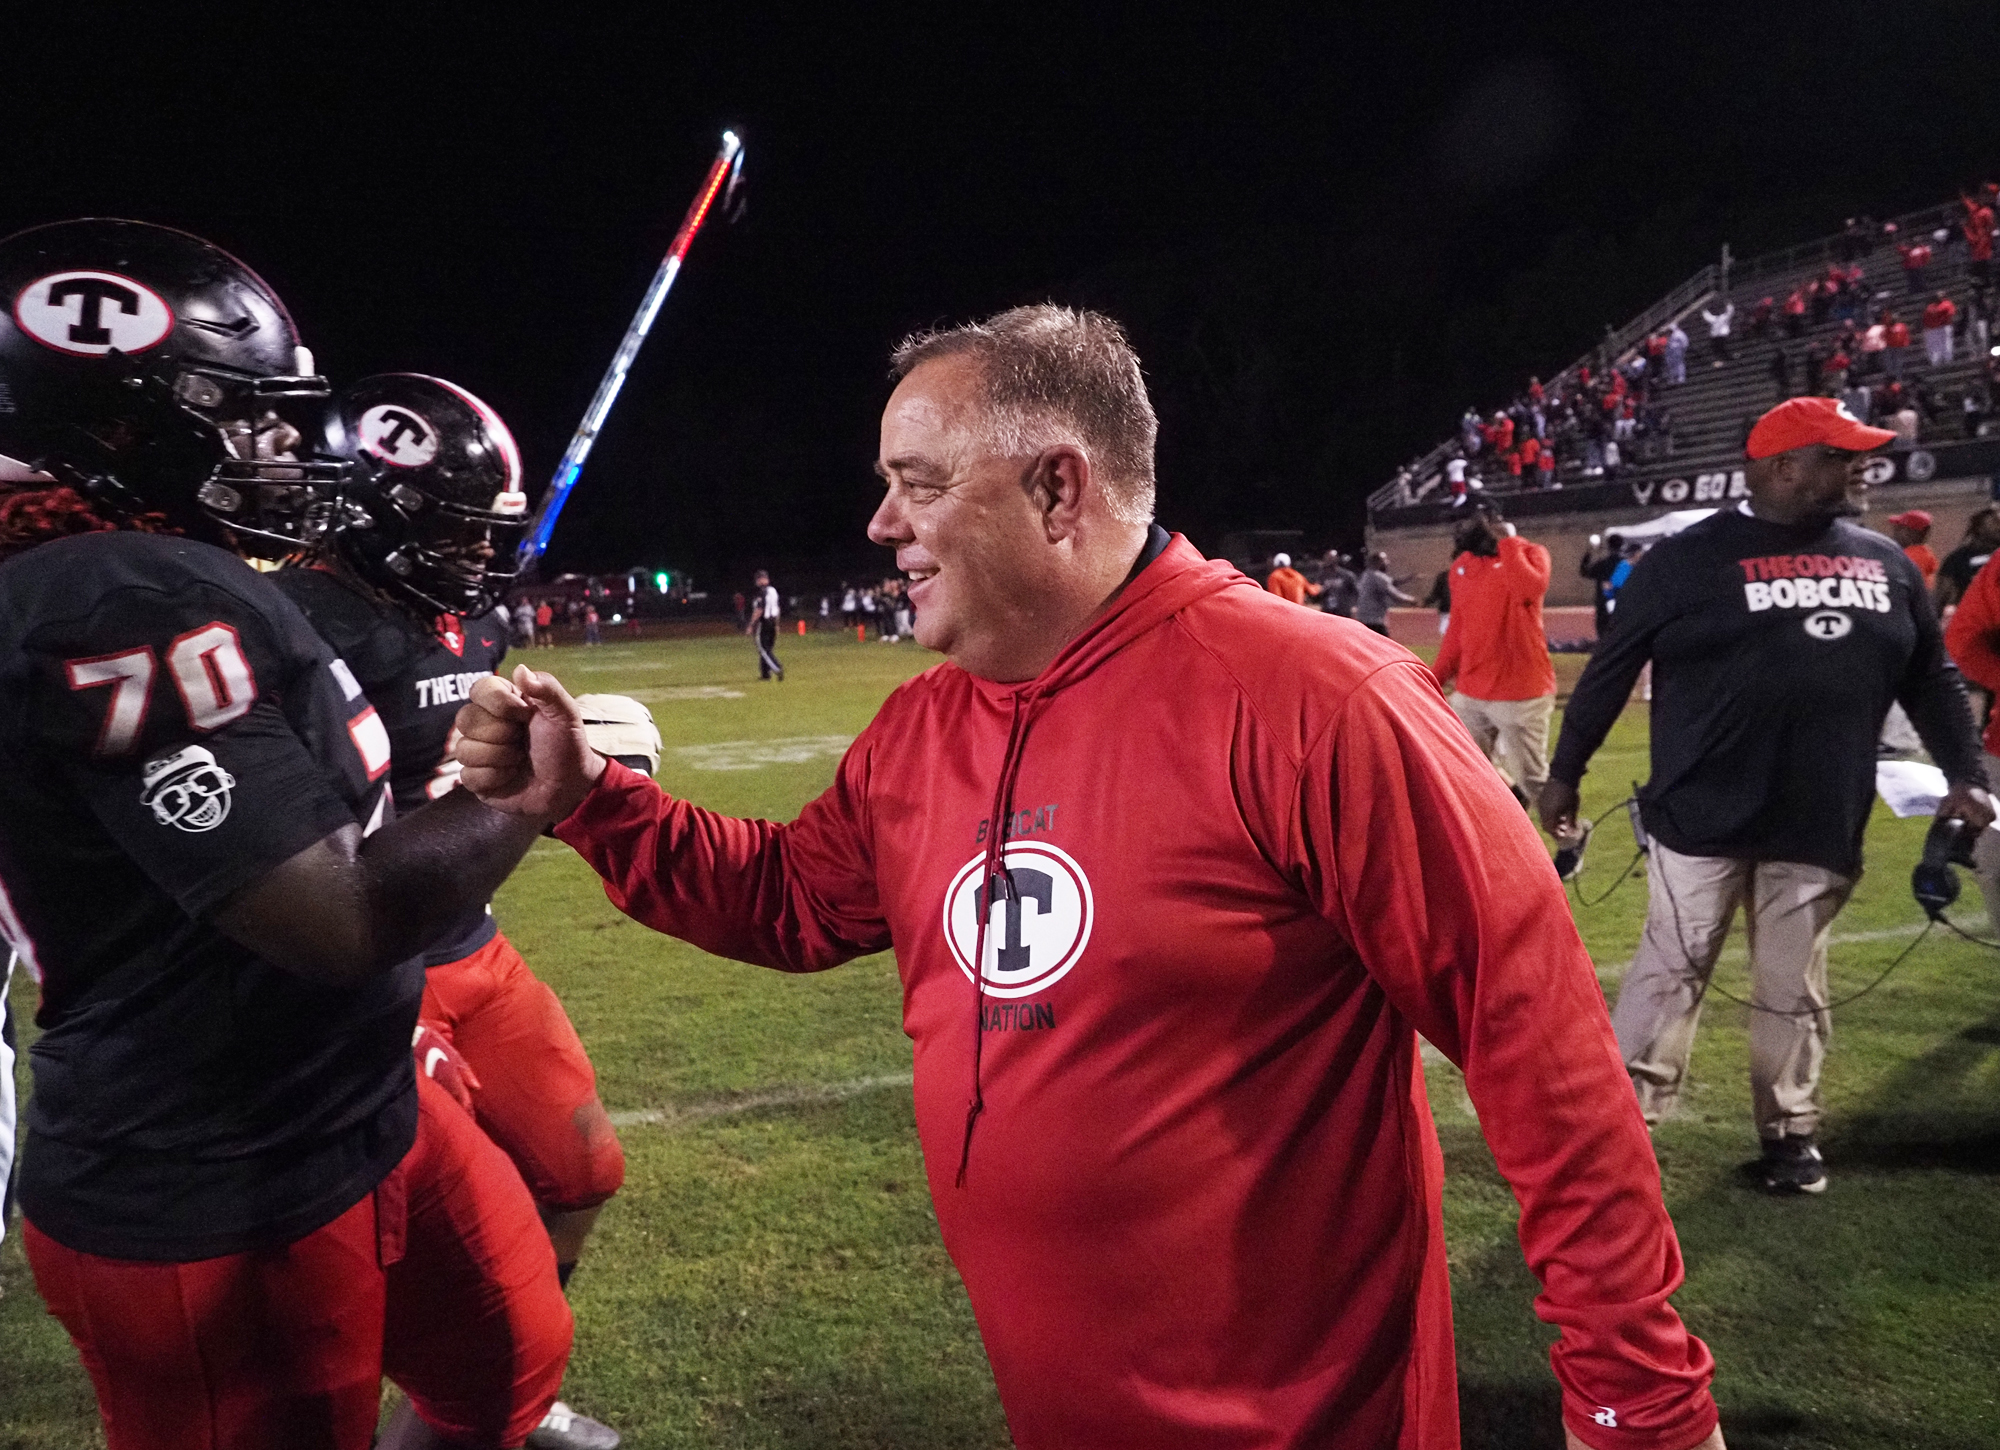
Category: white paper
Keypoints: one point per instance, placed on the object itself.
(1912, 787)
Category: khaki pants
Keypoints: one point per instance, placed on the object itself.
(1790, 910)
(1514, 734)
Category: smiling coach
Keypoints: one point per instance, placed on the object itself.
(1779, 636)
(1219, 859)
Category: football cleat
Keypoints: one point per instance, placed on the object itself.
(564, 1429)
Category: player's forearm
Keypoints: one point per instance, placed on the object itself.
(344, 909)
(422, 873)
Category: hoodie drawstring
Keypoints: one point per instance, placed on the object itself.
(996, 884)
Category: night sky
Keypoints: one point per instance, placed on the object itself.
(1327, 231)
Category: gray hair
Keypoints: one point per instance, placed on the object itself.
(1056, 375)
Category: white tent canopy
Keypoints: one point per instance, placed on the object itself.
(1662, 527)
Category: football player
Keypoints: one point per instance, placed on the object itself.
(407, 590)
(239, 1198)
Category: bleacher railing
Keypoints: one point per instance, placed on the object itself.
(1683, 299)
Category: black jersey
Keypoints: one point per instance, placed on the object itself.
(1776, 653)
(416, 678)
(171, 730)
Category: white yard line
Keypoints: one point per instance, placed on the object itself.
(784, 1097)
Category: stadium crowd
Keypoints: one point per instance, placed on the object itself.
(1609, 414)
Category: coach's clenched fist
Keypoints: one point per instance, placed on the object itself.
(522, 746)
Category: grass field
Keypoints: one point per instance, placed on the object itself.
(771, 1275)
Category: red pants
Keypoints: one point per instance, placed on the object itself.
(442, 1279)
(537, 1093)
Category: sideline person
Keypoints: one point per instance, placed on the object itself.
(1497, 650)
(1376, 592)
(763, 627)
(1288, 583)
(1175, 872)
(1779, 634)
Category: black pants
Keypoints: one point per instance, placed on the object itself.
(768, 667)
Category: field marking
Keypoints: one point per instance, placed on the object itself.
(662, 694)
(788, 1097)
(756, 754)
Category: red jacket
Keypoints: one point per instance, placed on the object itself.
(1252, 854)
(1972, 637)
(1495, 644)
(1940, 314)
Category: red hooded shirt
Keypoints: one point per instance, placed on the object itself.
(1251, 855)
(1972, 638)
(1496, 645)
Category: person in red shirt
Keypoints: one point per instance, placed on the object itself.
(1912, 529)
(1288, 583)
(1972, 636)
(1916, 259)
(1795, 311)
(1938, 318)
(1497, 651)
(1895, 343)
(1979, 239)
(1530, 454)
(1174, 873)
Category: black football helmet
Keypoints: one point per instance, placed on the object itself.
(157, 374)
(433, 510)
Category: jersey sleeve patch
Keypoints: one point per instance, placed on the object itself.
(371, 741)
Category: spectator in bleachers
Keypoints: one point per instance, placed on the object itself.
(1833, 376)
(1675, 353)
(1978, 228)
(1454, 478)
(1820, 292)
(1545, 468)
(1938, 319)
(1376, 592)
(1858, 400)
(1895, 343)
(1916, 264)
(1781, 372)
(1530, 457)
(1812, 369)
(1903, 423)
(1795, 312)
(1760, 317)
(1873, 341)
(1719, 325)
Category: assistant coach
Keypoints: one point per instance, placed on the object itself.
(1779, 634)
(1219, 860)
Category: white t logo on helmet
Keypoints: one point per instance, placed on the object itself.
(90, 313)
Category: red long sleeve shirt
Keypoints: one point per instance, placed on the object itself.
(1495, 644)
(1252, 854)
(1972, 638)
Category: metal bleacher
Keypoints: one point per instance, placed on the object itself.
(1711, 411)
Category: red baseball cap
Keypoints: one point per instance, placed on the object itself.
(1798, 421)
(1910, 519)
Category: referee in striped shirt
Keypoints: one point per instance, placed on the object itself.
(764, 628)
